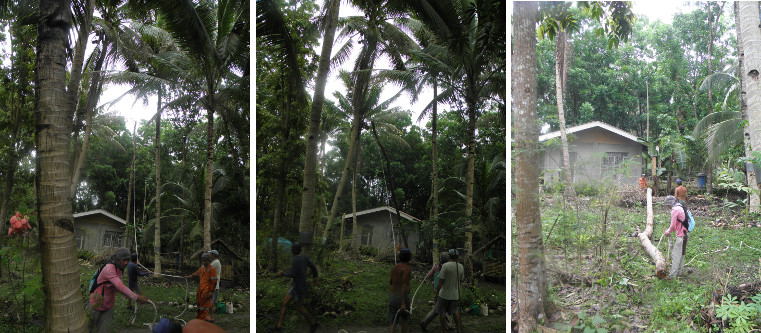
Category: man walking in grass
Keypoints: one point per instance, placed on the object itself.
(448, 291)
(298, 291)
(680, 245)
(399, 299)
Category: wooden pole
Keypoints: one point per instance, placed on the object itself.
(644, 237)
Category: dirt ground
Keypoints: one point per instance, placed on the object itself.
(470, 323)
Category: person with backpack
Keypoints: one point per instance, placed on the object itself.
(107, 281)
(434, 272)
(679, 225)
(447, 293)
(207, 275)
(132, 273)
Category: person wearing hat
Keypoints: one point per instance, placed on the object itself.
(399, 298)
(107, 283)
(218, 266)
(680, 245)
(132, 273)
(207, 282)
(447, 293)
(298, 291)
(680, 192)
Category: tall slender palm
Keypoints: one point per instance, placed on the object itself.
(378, 37)
(63, 308)
(474, 33)
(210, 36)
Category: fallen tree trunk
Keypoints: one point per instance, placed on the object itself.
(644, 237)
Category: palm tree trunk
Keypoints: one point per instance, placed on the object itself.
(210, 139)
(532, 284)
(355, 133)
(310, 161)
(276, 219)
(157, 224)
(354, 239)
(131, 185)
(559, 85)
(754, 201)
(63, 307)
(434, 176)
(751, 36)
(470, 182)
(392, 187)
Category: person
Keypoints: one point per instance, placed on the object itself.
(109, 281)
(680, 192)
(435, 271)
(399, 298)
(680, 245)
(298, 291)
(194, 326)
(132, 273)
(643, 184)
(215, 296)
(207, 280)
(448, 291)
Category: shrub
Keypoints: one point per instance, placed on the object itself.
(85, 254)
(368, 251)
(586, 189)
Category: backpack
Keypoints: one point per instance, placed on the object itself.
(688, 222)
(94, 280)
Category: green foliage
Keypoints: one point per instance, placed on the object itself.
(741, 317)
(85, 254)
(587, 189)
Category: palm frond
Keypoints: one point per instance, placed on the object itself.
(723, 136)
(701, 128)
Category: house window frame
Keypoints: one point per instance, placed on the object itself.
(112, 237)
(611, 161)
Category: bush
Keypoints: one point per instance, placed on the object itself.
(85, 254)
(586, 189)
(368, 251)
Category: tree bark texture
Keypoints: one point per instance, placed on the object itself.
(469, 183)
(560, 74)
(130, 187)
(755, 202)
(310, 162)
(355, 132)
(60, 270)
(157, 223)
(644, 238)
(532, 284)
(355, 229)
(210, 140)
(434, 175)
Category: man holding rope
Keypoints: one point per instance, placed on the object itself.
(207, 282)
(108, 282)
(399, 299)
(132, 273)
(448, 291)
(680, 245)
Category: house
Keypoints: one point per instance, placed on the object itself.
(375, 226)
(598, 152)
(98, 229)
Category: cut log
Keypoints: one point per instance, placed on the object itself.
(644, 237)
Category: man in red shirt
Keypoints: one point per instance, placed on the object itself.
(207, 283)
(108, 282)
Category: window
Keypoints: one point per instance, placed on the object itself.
(611, 161)
(112, 239)
(366, 235)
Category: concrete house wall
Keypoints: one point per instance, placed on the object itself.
(90, 229)
(597, 154)
(375, 229)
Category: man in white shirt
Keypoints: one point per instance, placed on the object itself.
(218, 266)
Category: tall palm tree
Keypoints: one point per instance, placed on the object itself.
(210, 36)
(63, 308)
(378, 37)
(474, 33)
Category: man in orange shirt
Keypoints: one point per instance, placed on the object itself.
(643, 183)
(208, 282)
(680, 192)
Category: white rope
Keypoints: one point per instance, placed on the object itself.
(693, 258)
(185, 306)
(393, 234)
(412, 301)
(155, 313)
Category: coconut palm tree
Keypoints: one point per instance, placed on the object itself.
(378, 37)
(211, 37)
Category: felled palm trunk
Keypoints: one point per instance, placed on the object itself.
(644, 237)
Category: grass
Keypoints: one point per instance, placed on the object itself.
(576, 246)
(366, 300)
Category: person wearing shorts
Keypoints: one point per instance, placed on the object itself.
(448, 291)
(298, 289)
(399, 298)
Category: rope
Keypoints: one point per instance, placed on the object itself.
(412, 301)
(184, 307)
(155, 313)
